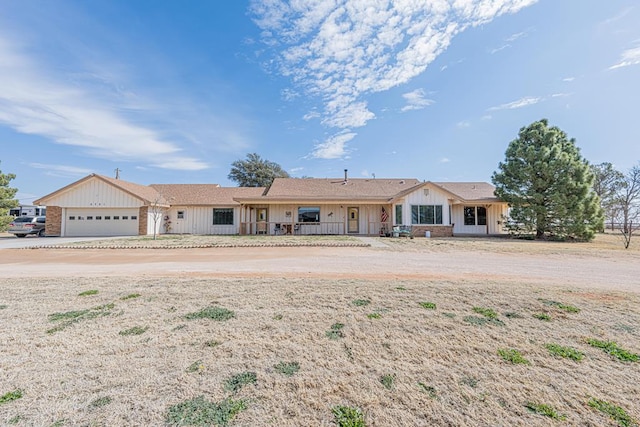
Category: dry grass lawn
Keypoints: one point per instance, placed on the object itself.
(131, 353)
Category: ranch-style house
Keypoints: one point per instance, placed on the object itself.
(97, 205)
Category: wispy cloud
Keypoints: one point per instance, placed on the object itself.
(463, 124)
(61, 170)
(340, 51)
(334, 147)
(627, 58)
(568, 79)
(416, 100)
(617, 17)
(444, 160)
(508, 42)
(519, 103)
(85, 110)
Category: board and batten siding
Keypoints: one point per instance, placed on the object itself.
(95, 193)
(494, 220)
(199, 220)
(423, 196)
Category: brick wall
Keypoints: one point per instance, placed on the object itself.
(436, 230)
(143, 214)
(53, 226)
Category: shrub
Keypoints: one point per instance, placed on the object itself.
(348, 417)
(513, 356)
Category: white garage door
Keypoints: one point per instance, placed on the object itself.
(101, 222)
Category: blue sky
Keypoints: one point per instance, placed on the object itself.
(174, 92)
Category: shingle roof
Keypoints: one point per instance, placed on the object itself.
(336, 189)
(470, 191)
(204, 194)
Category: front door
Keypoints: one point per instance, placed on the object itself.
(261, 221)
(353, 224)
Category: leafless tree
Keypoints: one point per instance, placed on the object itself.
(157, 209)
(628, 204)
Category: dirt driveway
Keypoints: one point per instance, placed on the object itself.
(616, 273)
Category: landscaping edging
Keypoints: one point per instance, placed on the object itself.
(221, 245)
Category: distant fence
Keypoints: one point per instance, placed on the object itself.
(613, 226)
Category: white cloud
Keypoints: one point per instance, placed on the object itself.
(444, 160)
(627, 58)
(498, 49)
(294, 171)
(341, 51)
(61, 170)
(487, 117)
(568, 79)
(79, 115)
(311, 115)
(463, 124)
(522, 102)
(416, 100)
(509, 40)
(334, 147)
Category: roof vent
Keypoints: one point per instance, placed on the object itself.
(402, 181)
(346, 178)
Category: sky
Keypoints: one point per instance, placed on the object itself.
(174, 92)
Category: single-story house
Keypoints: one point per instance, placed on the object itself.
(97, 205)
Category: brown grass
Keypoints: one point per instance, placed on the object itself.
(62, 375)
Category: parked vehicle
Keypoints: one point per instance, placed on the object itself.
(23, 225)
(28, 210)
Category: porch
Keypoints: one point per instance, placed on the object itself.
(326, 228)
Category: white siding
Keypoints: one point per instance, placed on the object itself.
(418, 197)
(199, 220)
(95, 193)
(157, 224)
(494, 220)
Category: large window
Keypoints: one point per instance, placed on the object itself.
(223, 216)
(308, 214)
(426, 214)
(475, 215)
(398, 214)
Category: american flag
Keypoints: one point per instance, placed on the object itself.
(384, 217)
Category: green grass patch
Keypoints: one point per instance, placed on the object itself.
(136, 330)
(431, 391)
(214, 313)
(542, 316)
(612, 348)
(196, 366)
(277, 317)
(100, 402)
(388, 380)
(3, 306)
(346, 416)
(543, 409)
(236, 382)
(513, 356)
(212, 343)
(449, 315)
(130, 296)
(374, 316)
(566, 352)
(561, 306)
(401, 288)
(486, 312)
(287, 368)
(58, 423)
(335, 332)
(470, 381)
(428, 305)
(616, 413)
(88, 293)
(69, 318)
(361, 302)
(200, 412)
(10, 396)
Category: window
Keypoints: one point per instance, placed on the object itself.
(426, 214)
(72, 218)
(398, 214)
(475, 215)
(116, 217)
(98, 217)
(80, 218)
(134, 217)
(107, 217)
(89, 218)
(180, 214)
(221, 216)
(125, 217)
(309, 214)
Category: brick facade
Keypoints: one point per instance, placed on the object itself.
(53, 226)
(436, 230)
(143, 219)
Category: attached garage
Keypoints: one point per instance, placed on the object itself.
(101, 206)
(100, 222)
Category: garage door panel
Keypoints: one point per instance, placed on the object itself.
(101, 222)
